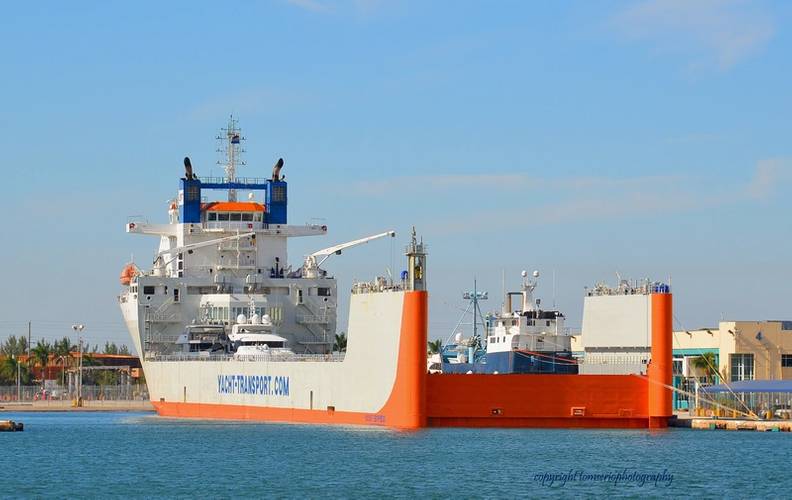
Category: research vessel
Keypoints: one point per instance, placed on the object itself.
(521, 338)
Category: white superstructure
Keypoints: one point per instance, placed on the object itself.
(616, 333)
(528, 327)
(222, 318)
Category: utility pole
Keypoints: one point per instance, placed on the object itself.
(19, 378)
(79, 329)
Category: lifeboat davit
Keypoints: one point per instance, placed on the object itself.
(129, 272)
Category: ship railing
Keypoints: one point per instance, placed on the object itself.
(279, 358)
(238, 180)
(313, 319)
(375, 287)
(613, 365)
(164, 318)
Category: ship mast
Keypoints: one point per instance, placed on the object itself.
(229, 145)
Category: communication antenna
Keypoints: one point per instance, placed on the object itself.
(474, 297)
(229, 145)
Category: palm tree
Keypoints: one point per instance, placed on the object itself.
(8, 371)
(41, 353)
(340, 342)
(435, 346)
(14, 346)
(707, 363)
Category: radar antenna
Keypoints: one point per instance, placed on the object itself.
(229, 145)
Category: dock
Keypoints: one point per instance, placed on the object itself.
(731, 424)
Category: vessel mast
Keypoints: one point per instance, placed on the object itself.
(474, 297)
(229, 144)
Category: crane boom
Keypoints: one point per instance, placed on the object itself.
(348, 244)
(311, 269)
(204, 244)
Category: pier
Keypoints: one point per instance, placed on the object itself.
(730, 424)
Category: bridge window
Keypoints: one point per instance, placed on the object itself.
(323, 292)
(148, 290)
(222, 216)
(235, 217)
(247, 217)
(212, 216)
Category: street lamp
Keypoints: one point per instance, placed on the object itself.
(79, 328)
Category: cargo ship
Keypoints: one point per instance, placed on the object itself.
(228, 329)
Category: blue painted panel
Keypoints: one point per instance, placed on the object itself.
(277, 200)
(191, 209)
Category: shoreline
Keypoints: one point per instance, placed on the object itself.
(66, 406)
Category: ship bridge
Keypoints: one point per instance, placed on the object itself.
(272, 211)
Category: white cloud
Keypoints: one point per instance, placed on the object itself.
(311, 5)
(362, 7)
(583, 198)
(726, 31)
(421, 184)
(769, 174)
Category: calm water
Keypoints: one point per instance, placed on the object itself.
(111, 455)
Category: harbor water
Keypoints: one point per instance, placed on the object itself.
(90, 455)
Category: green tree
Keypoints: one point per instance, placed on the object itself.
(110, 348)
(708, 364)
(41, 354)
(123, 350)
(435, 346)
(340, 342)
(8, 371)
(14, 346)
(64, 347)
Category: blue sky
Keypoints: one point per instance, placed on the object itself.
(649, 138)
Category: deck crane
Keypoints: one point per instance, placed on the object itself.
(160, 262)
(312, 262)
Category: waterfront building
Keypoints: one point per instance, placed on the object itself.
(741, 350)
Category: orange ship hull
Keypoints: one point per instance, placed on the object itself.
(592, 401)
(597, 401)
